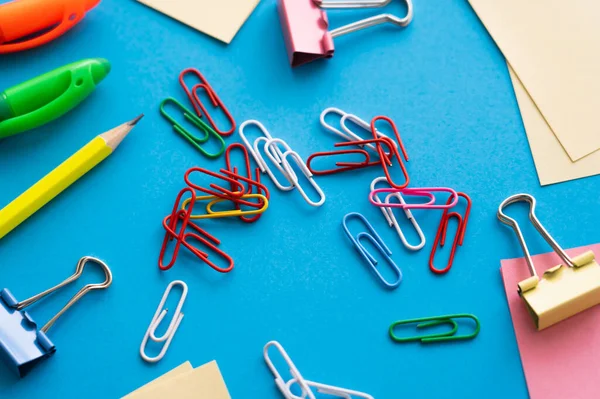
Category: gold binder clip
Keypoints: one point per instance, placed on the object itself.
(564, 290)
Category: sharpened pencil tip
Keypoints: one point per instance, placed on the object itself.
(136, 120)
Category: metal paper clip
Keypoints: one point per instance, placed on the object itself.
(564, 290)
(388, 213)
(366, 162)
(275, 154)
(376, 240)
(294, 178)
(440, 236)
(210, 214)
(199, 106)
(196, 121)
(425, 322)
(305, 386)
(22, 344)
(251, 148)
(220, 191)
(383, 156)
(425, 192)
(305, 25)
(158, 317)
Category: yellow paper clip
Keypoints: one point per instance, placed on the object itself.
(564, 290)
(210, 214)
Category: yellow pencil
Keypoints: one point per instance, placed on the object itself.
(62, 177)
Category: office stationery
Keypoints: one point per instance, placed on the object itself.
(214, 98)
(418, 192)
(251, 147)
(285, 387)
(388, 214)
(205, 381)
(305, 26)
(372, 236)
(62, 177)
(564, 290)
(557, 65)
(49, 96)
(25, 24)
(22, 344)
(440, 236)
(190, 136)
(219, 19)
(382, 155)
(158, 317)
(341, 166)
(553, 354)
(211, 214)
(425, 322)
(185, 236)
(182, 369)
(552, 163)
(256, 179)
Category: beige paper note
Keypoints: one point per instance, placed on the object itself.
(221, 19)
(204, 382)
(553, 47)
(177, 371)
(551, 161)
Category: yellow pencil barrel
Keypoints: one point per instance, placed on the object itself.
(53, 184)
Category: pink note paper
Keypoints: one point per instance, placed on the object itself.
(562, 361)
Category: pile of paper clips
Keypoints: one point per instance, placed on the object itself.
(247, 198)
(381, 151)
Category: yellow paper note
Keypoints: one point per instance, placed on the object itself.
(177, 371)
(221, 19)
(552, 46)
(204, 382)
(552, 163)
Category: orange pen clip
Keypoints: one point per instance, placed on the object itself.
(26, 24)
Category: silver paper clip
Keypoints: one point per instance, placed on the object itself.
(388, 213)
(157, 319)
(305, 386)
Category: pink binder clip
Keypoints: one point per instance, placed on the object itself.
(305, 25)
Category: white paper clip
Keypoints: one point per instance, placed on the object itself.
(309, 176)
(157, 319)
(252, 149)
(305, 386)
(388, 213)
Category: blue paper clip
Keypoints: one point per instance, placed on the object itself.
(22, 344)
(374, 238)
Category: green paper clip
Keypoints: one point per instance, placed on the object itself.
(425, 322)
(199, 123)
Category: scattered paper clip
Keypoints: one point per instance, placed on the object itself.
(426, 192)
(391, 145)
(211, 214)
(294, 178)
(388, 213)
(158, 317)
(305, 386)
(305, 26)
(199, 106)
(251, 148)
(194, 140)
(376, 240)
(22, 344)
(425, 322)
(440, 236)
(564, 290)
(275, 154)
(217, 191)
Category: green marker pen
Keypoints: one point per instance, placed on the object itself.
(41, 100)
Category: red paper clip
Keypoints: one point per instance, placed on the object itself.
(224, 193)
(234, 169)
(199, 107)
(392, 147)
(440, 237)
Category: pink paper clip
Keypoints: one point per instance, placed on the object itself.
(305, 25)
(426, 192)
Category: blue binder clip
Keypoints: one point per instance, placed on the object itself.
(22, 344)
(374, 238)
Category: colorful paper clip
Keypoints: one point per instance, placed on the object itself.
(294, 178)
(306, 387)
(376, 240)
(383, 156)
(425, 192)
(197, 122)
(251, 148)
(305, 25)
(425, 322)
(211, 214)
(564, 290)
(22, 344)
(158, 317)
(275, 154)
(388, 213)
(440, 236)
(340, 166)
(199, 106)
(220, 192)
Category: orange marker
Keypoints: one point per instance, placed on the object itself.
(25, 24)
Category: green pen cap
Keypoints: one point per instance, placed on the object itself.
(49, 96)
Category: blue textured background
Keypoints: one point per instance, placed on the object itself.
(296, 278)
